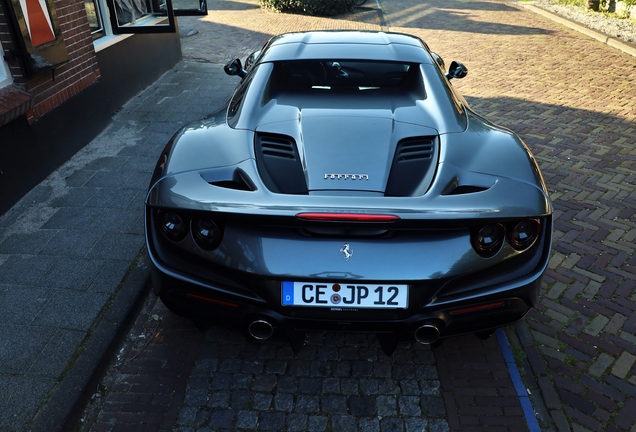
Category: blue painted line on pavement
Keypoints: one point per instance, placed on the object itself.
(515, 376)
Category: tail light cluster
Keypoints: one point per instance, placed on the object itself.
(521, 235)
(206, 233)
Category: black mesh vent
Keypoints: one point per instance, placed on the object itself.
(413, 166)
(279, 164)
(414, 148)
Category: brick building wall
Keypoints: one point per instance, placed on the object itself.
(52, 88)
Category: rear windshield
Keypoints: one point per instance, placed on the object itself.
(335, 75)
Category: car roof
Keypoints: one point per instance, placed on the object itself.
(346, 45)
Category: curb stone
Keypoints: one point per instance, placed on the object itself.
(68, 398)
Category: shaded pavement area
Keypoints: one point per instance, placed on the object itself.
(69, 243)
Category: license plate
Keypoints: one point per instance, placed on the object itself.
(335, 295)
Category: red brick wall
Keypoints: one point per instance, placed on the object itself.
(80, 72)
(53, 88)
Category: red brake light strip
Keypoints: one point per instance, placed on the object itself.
(348, 217)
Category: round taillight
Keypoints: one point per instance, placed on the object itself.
(488, 239)
(172, 225)
(524, 234)
(207, 234)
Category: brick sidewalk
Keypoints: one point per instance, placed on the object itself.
(68, 245)
(573, 101)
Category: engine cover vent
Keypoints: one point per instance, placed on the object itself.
(279, 164)
(413, 166)
(278, 146)
(414, 148)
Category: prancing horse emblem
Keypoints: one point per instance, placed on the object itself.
(348, 253)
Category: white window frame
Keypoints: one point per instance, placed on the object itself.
(109, 36)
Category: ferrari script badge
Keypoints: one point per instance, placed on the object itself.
(346, 252)
(347, 176)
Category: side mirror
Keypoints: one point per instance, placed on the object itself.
(439, 61)
(456, 70)
(235, 67)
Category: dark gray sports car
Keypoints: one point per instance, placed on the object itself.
(347, 186)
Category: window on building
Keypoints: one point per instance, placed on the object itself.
(94, 15)
(113, 17)
(5, 74)
(141, 16)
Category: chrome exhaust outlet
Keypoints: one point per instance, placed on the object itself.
(261, 329)
(426, 334)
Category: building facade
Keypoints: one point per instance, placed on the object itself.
(66, 66)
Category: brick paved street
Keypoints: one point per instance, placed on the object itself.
(337, 382)
(572, 100)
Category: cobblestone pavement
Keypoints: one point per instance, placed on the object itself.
(177, 378)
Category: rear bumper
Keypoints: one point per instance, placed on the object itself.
(498, 306)
(472, 302)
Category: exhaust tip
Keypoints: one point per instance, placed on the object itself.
(426, 334)
(260, 329)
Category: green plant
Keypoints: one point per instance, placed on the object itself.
(310, 7)
(573, 2)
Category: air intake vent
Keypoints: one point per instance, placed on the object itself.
(413, 166)
(414, 148)
(279, 164)
(465, 189)
(240, 181)
(278, 146)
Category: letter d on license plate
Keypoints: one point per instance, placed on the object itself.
(351, 295)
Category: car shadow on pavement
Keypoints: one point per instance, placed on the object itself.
(579, 340)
